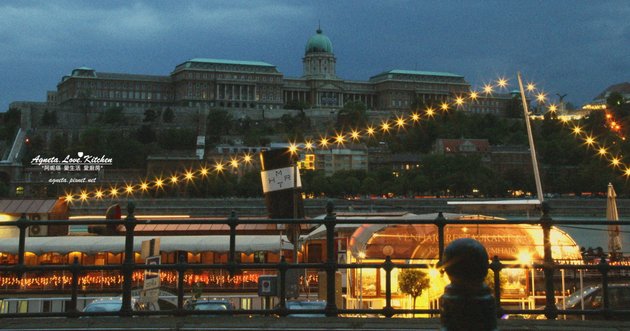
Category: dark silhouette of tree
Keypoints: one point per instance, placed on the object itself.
(413, 282)
(168, 115)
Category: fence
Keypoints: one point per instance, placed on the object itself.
(330, 266)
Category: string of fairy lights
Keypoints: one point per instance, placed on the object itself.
(393, 125)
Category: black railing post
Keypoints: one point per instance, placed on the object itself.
(440, 222)
(129, 263)
(467, 303)
(551, 311)
(331, 262)
(232, 222)
(74, 268)
(181, 269)
(282, 270)
(604, 268)
(388, 311)
(496, 266)
(22, 243)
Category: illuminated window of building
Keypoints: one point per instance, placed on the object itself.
(259, 257)
(207, 257)
(50, 258)
(113, 258)
(246, 303)
(247, 258)
(194, 258)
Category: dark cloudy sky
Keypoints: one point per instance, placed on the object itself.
(574, 47)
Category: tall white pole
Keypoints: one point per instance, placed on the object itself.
(530, 137)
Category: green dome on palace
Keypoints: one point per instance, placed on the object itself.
(319, 43)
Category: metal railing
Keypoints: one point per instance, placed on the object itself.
(330, 266)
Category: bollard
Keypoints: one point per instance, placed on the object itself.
(467, 304)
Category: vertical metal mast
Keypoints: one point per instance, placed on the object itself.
(530, 137)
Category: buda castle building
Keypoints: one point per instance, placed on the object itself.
(251, 87)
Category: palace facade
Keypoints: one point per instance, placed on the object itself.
(255, 85)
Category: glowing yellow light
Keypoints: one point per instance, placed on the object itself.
(113, 192)
(247, 158)
(433, 273)
(159, 182)
(608, 116)
(602, 151)
(415, 117)
(400, 122)
(129, 189)
(370, 131)
(69, 197)
(203, 171)
(615, 161)
(577, 130)
(308, 145)
(444, 106)
(361, 255)
(174, 179)
(293, 148)
(564, 120)
(524, 258)
(459, 101)
(474, 95)
(541, 97)
(219, 167)
(98, 194)
(354, 134)
(589, 141)
(488, 89)
(627, 172)
(553, 108)
(83, 196)
(189, 175)
(323, 142)
(531, 87)
(234, 163)
(144, 186)
(502, 82)
(385, 127)
(430, 112)
(340, 139)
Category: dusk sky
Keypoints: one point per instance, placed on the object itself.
(573, 47)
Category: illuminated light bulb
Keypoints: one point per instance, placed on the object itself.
(308, 145)
(459, 101)
(370, 131)
(219, 167)
(293, 148)
(340, 139)
(430, 112)
(189, 175)
(144, 186)
(531, 87)
(324, 142)
(159, 182)
(83, 196)
(602, 151)
(502, 82)
(129, 189)
(385, 127)
(113, 192)
(400, 122)
(627, 172)
(541, 97)
(608, 116)
(247, 158)
(355, 135)
(577, 130)
(488, 89)
(203, 171)
(553, 108)
(234, 163)
(415, 117)
(590, 141)
(444, 106)
(564, 120)
(615, 161)
(174, 179)
(69, 197)
(474, 95)
(98, 194)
